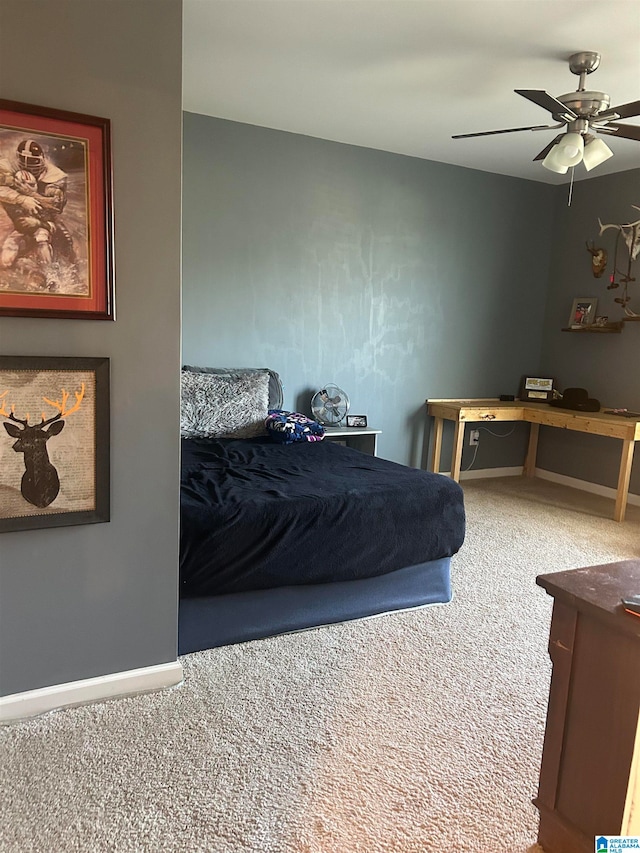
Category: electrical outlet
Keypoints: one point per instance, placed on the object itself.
(474, 437)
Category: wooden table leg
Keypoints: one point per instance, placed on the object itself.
(532, 451)
(436, 448)
(624, 476)
(456, 455)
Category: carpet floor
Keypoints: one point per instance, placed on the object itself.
(404, 733)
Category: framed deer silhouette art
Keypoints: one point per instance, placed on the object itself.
(54, 441)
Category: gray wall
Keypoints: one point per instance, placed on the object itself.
(83, 601)
(397, 278)
(608, 366)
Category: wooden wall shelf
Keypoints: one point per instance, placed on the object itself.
(610, 328)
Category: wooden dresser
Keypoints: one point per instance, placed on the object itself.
(590, 773)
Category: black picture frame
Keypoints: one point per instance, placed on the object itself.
(536, 389)
(357, 421)
(68, 482)
(56, 214)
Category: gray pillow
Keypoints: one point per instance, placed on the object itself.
(276, 395)
(223, 406)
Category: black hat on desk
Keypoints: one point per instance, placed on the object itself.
(577, 399)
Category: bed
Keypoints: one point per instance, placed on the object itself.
(278, 537)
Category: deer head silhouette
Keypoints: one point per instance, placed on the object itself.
(40, 482)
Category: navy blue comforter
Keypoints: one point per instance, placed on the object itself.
(256, 515)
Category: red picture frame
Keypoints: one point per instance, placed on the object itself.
(56, 214)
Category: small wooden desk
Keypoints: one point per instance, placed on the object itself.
(491, 410)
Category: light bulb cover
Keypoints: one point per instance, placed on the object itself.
(570, 149)
(551, 163)
(595, 152)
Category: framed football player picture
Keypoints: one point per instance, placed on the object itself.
(56, 218)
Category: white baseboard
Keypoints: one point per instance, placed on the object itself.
(19, 706)
(594, 488)
(562, 479)
(483, 473)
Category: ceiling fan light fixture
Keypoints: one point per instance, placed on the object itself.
(570, 149)
(551, 162)
(595, 152)
(578, 112)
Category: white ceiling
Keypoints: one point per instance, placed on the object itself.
(405, 75)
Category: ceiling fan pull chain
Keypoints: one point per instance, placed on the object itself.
(570, 188)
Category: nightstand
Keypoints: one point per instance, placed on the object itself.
(358, 438)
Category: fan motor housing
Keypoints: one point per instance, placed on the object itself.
(585, 103)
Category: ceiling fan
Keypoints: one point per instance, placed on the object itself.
(579, 112)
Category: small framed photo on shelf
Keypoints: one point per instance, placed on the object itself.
(357, 421)
(536, 389)
(583, 311)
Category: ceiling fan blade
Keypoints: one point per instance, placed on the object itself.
(623, 111)
(547, 102)
(508, 130)
(625, 131)
(548, 148)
